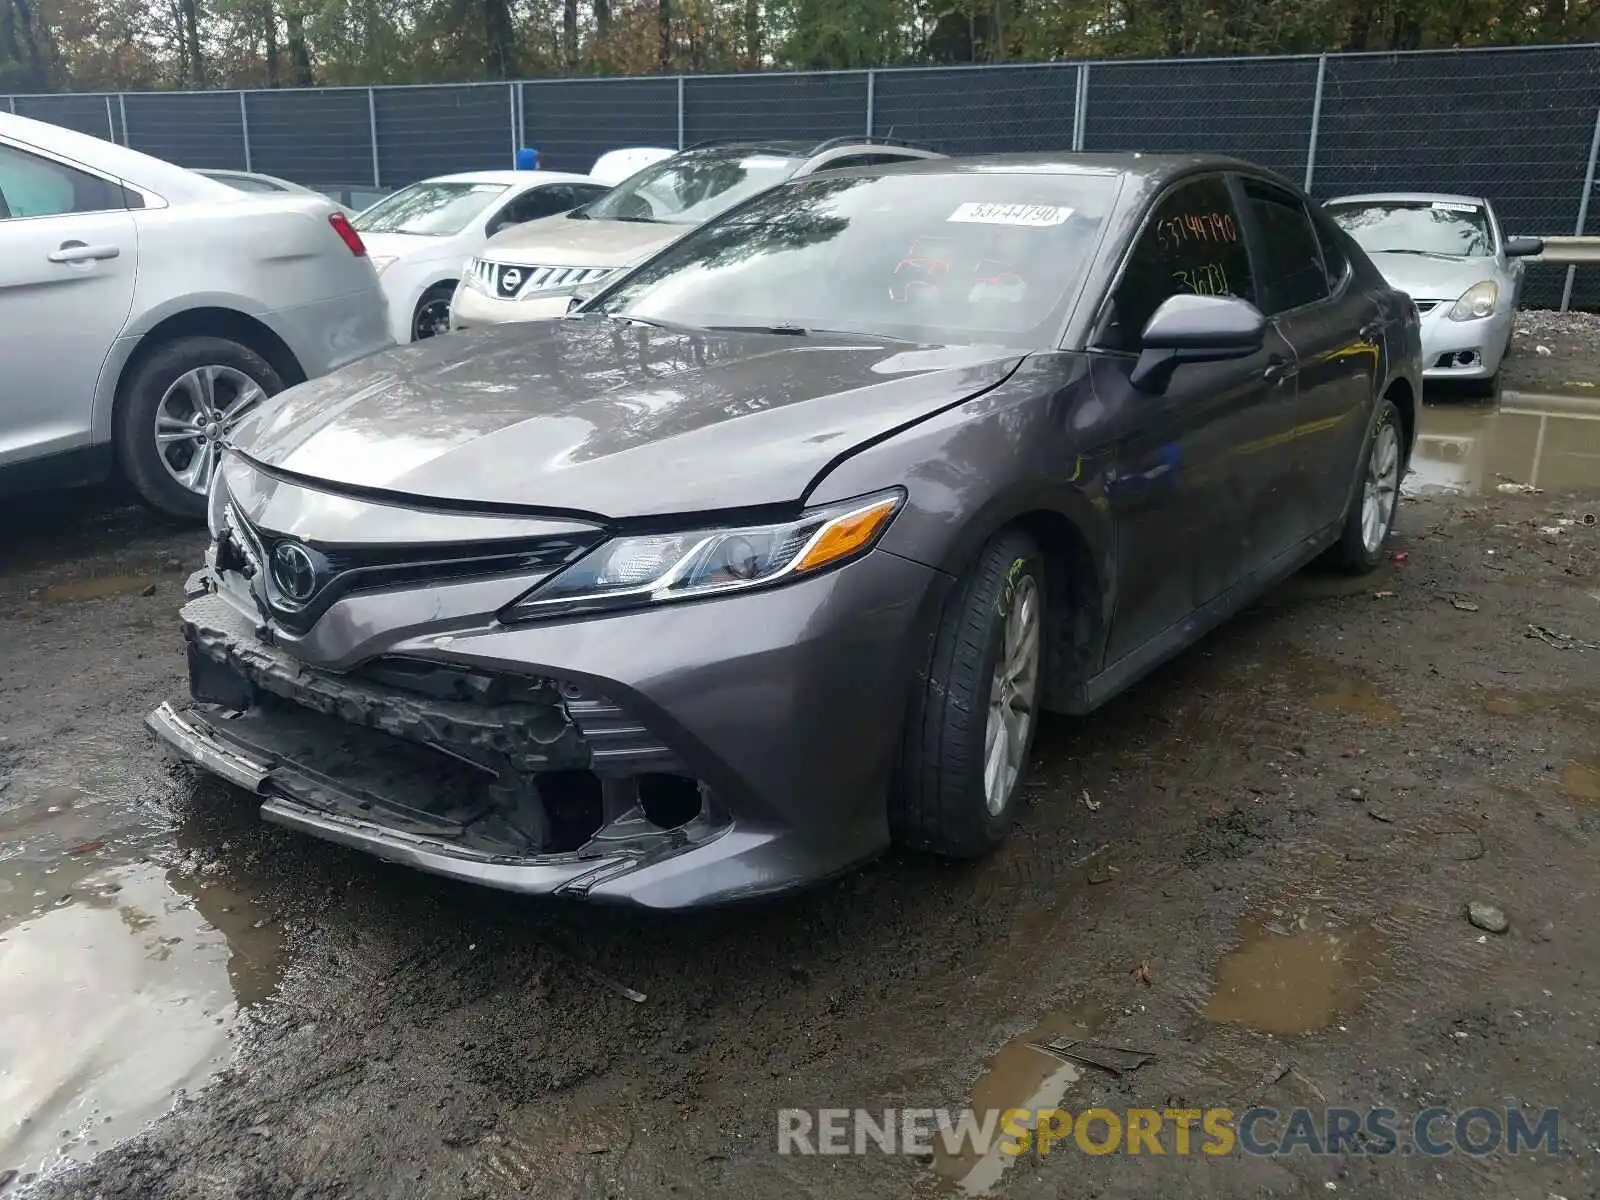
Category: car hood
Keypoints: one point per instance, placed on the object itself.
(405, 245)
(1424, 278)
(609, 418)
(561, 241)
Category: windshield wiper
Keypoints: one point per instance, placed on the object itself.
(643, 220)
(785, 327)
(1423, 253)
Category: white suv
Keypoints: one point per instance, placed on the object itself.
(144, 309)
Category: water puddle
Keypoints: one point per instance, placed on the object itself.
(1293, 973)
(1355, 697)
(97, 587)
(1581, 780)
(124, 980)
(1337, 690)
(1468, 450)
(1018, 1075)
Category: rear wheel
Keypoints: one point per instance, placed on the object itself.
(432, 315)
(1371, 517)
(972, 722)
(177, 409)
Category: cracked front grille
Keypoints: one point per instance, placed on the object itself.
(512, 281)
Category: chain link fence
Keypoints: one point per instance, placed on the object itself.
(1519, 125)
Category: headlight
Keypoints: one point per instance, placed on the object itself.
(656, 568)
(1477, 302)
(583, 279)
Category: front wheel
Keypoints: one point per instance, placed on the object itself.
(1371, 517)
(972, 720)
(432, 315)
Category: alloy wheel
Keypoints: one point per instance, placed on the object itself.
(1011, 698)
(194, 417)
(1382, 488)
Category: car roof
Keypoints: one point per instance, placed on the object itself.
(1407, 198)
(165, 179)
(1062, 162)
(509, 177)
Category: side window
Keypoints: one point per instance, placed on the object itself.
(1192, 244)
(31, 186)
(868, 160)
(1293, 273)
(1335, 261)
(536, 203)
(588, 193)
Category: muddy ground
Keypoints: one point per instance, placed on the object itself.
(1254, 867)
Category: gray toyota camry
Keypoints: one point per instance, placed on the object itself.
(773, 552)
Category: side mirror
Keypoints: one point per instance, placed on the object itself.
(1196, 329)
(581, 295)
(1524, 247)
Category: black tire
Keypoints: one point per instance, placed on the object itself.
(1351, 553)
(939, 803)
(142, 391)
(437, 294)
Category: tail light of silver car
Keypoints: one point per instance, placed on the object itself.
(347, 234)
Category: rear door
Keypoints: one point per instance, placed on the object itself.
(67, 263)
(1184, 488)
(1332, 326)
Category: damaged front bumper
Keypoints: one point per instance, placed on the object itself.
(604, 758)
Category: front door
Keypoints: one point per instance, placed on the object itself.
(67, 257)
(1182, 486)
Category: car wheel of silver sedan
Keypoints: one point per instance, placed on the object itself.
(177, 411)
(1372, 511)
(972, 722)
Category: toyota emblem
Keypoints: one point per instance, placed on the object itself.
(294, 572)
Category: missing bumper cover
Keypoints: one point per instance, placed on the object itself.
(504, 768)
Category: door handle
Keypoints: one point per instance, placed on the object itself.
(77, 252)
(1280, 369)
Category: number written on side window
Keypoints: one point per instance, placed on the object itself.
(1190, 245)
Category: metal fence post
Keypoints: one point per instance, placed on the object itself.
(1080, 106)
(244, 130)
(680, 112)
(1583, 209)
(122, 110)
(1316, 120)
(513, 96)
(111, 121)
(372, 126)
(872, 97)
(12, 101)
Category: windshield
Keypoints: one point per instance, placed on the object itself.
(689, 188)
(1418, 226)
(429, 209)
(968, 258)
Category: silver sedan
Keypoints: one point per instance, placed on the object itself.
(1449, 254)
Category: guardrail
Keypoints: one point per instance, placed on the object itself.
(1569, 251)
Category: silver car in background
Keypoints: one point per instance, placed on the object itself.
(1449, 255)
(145, 309)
